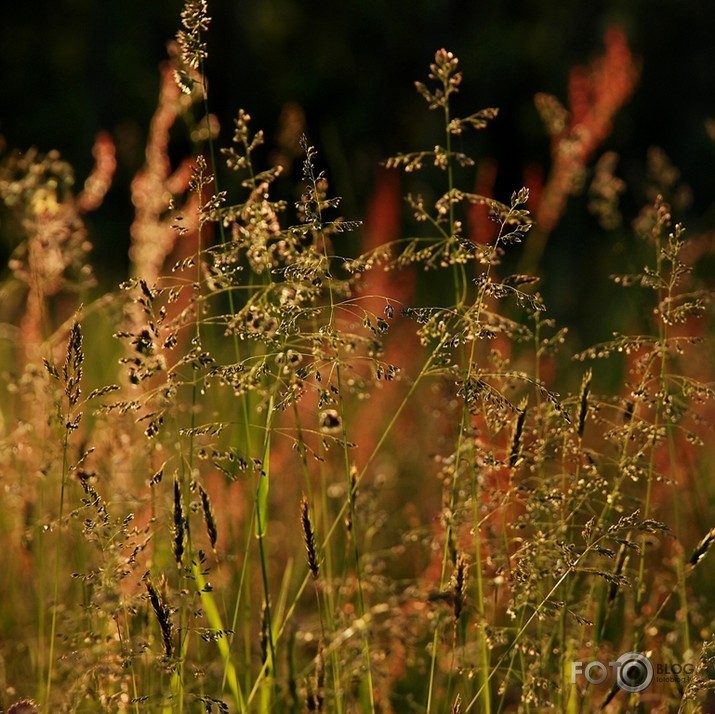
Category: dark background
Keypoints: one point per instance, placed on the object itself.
(72, 68)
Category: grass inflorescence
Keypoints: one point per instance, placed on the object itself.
(321, 481)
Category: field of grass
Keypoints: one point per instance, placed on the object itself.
(272, 473)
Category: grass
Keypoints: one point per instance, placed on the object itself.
(304, 479)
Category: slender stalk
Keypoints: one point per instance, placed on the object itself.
(58, 558)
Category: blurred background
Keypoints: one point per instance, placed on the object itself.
(74, 68)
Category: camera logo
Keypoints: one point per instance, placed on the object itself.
(633, 672)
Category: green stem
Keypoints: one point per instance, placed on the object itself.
(58, 555)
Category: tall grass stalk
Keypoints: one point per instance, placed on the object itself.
(70, 379)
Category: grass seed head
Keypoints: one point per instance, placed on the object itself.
(309, 538)
(209, 517)
(179, 526)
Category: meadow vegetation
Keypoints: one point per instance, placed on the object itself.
(271, 473)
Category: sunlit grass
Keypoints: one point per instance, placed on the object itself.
(265, 475)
